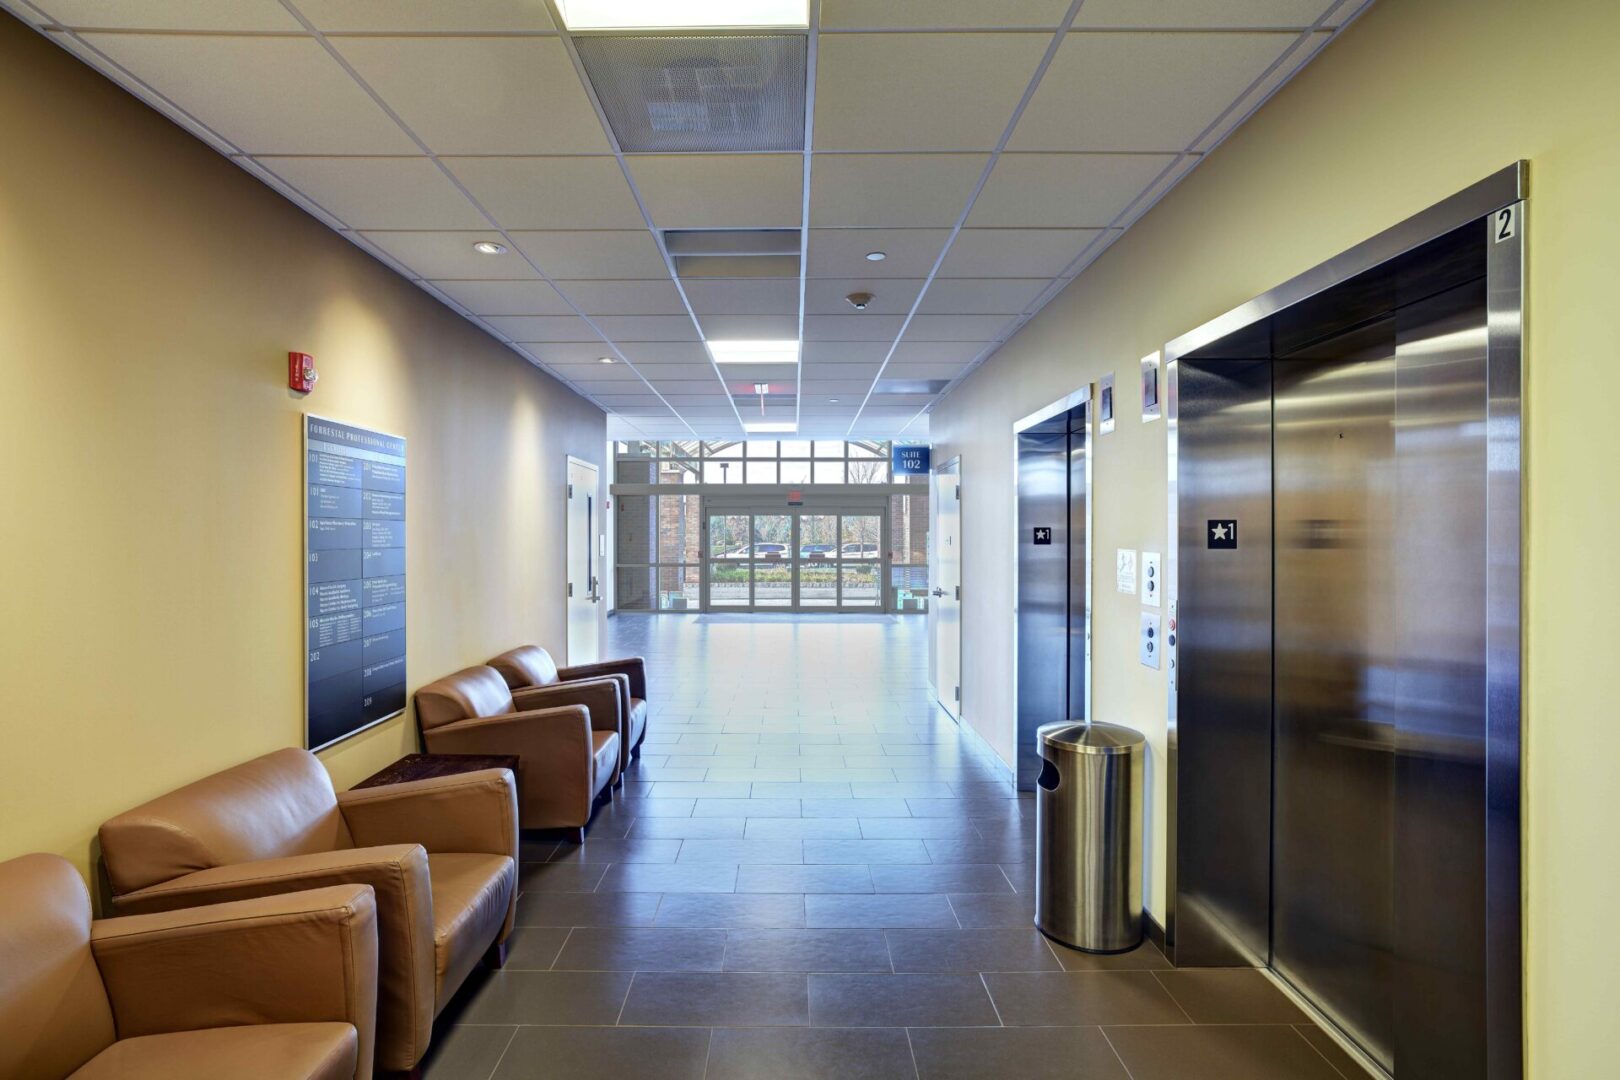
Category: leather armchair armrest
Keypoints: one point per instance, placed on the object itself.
(469, 812)
(557, 758)
(299, 957)
(633, 668)
(399, 875)
(609, 708)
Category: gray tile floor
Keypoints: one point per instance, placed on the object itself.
(812, 873)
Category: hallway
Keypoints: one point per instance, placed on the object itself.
(812, 873)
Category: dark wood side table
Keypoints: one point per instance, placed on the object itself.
(427, 766)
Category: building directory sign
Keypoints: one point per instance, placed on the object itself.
(354, 579)
(910, 460)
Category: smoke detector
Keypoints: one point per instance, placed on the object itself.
(859, 300)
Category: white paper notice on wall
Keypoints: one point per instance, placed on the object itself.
(1125, 569)
(1152, 583)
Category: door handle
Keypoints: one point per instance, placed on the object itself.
(939, 592)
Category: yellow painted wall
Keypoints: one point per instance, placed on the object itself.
(1417, 100)
(150, 533)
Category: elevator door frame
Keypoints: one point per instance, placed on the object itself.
(1497, 204)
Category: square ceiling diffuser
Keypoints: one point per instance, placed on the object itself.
(699, 94)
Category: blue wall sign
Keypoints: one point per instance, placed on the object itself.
(910, 460)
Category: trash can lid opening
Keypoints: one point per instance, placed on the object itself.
(1080, 738)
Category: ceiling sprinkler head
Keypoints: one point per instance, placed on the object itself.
(859, 300)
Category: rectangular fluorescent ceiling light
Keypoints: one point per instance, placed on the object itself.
(754, 352)
(770, 427)
(683, 14)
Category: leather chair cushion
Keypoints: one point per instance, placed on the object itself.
(54, 1013)
(470, 692)
(605, 748)
(262, 1052)
(526, 665)
(274, 806)
(638, 721)
(471, 896)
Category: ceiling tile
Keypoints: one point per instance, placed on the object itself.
(941, 14)
(1284, 71)
(550, 192)
(481, 95)
(578, 354)
(889, 296)
(937, 352)
(920, 91)
(721, 191)
(981, 296)
(892, 190)
(685, 374)
(380, 192)
(505, 297)
(257, 15)
(450, 255)
(738, 296)
(870, 353)
(1199, 14)
(1107, 91)
(950, 328)
(607, 254)
(544, 328)
(623, 328)
(1063, 190)
(851, 327)
(839, 388)
(659, 297)
(268, 95)
(667, 352)
(924, 370)
(1014, 252)
(750, 327)
(416, 15)
(840, 253)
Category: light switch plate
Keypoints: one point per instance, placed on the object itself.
(1150, 642)
(1152, 579)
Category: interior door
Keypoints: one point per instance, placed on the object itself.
(584, 573)
(947, 591)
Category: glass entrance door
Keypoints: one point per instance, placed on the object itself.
(802, 560)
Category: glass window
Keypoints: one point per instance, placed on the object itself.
(829, 472)
(685, 448)
(679, 528)
(762, 472)
(722, 472)
(795, 472)
(868, 472)
(722, 449)
(795, 449)
(638, 448)
(765, 449)
(633, 590)
(829, 449)
(868, 449)
(677, 472)
(635, 472)
(678, 588)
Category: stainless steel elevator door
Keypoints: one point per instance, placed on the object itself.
(1043, 588)
(1379, 592)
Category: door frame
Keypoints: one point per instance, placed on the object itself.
(841, 506)
(592, 557)
(952, 467)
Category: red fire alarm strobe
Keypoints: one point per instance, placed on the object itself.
(301, 373)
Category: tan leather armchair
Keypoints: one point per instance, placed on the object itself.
(440, 854)
(530, 669)
(567, 743)
(278, 988)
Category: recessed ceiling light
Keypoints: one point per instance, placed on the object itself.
(761, 426)
(682, 15)
(876, 256)
(754, 352)
(489, 247)
(604, 360)
(832, 401)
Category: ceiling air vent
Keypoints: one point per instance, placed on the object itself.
(699, 94)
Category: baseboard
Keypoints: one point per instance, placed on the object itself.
(973, 736)
(1155, 932)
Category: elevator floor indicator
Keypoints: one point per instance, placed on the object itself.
(1223, 533)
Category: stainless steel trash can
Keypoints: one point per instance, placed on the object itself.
(1088, 835)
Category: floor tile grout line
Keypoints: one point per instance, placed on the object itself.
(618, 1021)
(1319, 1053)
(1117, 1056)
(915, 1068)
(1173, 997)
(566, 939)
(496, 1068)
(986, 984)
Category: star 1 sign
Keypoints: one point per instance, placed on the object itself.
(1222, 533)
